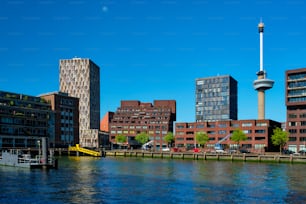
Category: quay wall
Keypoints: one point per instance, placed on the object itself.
(211, 156)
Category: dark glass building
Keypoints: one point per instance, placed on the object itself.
(216, 98)
(24, 120)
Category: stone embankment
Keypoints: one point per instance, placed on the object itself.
(211, 156)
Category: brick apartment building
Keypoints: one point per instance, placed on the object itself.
(134, 117)
(258, 133)
(296, 108)
(66, 114)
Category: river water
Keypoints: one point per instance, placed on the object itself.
(144, 180)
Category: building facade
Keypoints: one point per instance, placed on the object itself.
(24, 120)
(104, 124)
(296, 108)
(81, 78)
(135, 117)
(216, 98)
(66, 115)
(258, 134)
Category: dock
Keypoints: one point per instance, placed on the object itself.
(246, 157)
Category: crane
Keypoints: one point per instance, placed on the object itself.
(218, 146)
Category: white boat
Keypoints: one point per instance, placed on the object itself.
(16, 158)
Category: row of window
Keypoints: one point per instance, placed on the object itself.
(303, 115)
(133, 132)
(222, 125)
(293, 131)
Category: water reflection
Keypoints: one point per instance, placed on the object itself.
(137, 180)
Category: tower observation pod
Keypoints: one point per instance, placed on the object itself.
(261, 84)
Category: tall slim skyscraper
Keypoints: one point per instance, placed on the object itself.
(216, 98)
(81, 78)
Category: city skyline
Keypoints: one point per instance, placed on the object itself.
(153, 50)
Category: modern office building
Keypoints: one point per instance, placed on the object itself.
(134, 117)
(66, 114)
(216, 98)
(24, 120)
(296, 108)
(81, 78)
(258, 132)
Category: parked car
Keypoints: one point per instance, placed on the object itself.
(166, 149)
(287, 151)
(244, 151)
(303, 151)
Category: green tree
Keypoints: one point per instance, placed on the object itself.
(201, 138)
(120, 139)
(169, 138)
(238, 136)
(142, 138)
(279, 138)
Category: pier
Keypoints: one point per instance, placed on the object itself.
(211, 156)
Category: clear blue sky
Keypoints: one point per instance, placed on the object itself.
(154, 49)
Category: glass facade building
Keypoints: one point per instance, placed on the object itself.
(216, 98)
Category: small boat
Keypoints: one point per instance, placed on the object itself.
(17, 158)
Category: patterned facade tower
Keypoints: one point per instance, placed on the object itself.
(81, 78)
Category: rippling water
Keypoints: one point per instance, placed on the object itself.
(138, 180)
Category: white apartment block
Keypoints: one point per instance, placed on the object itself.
(81, 78)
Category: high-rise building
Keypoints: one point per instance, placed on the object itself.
(216, 98)
(66, 114)
(135, 117)
(24, 120)
(296, 108)
(81, 78)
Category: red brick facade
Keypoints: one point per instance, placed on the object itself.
(258, 132)
(134, 117)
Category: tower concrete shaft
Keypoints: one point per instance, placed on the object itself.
(261, 102)
(262, 83)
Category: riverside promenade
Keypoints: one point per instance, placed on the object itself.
(246, 157)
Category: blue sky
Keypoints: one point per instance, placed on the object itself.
(155, 49)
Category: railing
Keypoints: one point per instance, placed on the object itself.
(77, 148)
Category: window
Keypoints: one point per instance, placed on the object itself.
(246, 124)
(292, 124)
(222, 125)
(292, 130)
(222, 132)
(292, 139)
(260, 131)
(260, 138)
(261, 124)
(292, 115)
(180, 127)
(259, 146)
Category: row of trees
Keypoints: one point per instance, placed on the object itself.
(279, 138)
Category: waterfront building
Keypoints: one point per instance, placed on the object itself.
(296, 108)
(66, 115)
(104, 124)
(216, 98)
(81, 78)
(134, 117)
(24, 120)
(258, 134)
